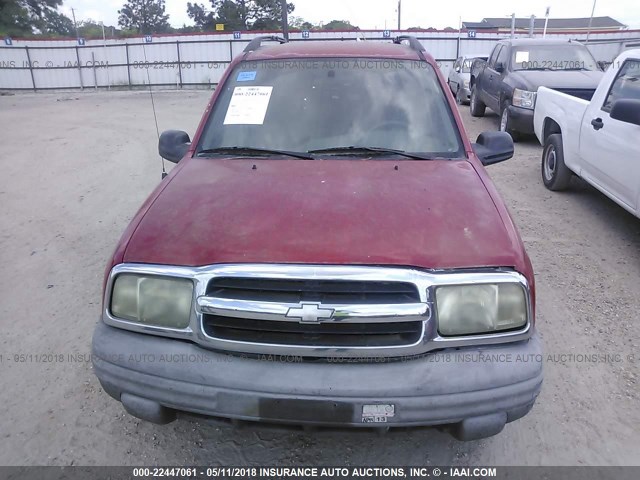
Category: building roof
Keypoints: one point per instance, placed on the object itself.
(555, 23)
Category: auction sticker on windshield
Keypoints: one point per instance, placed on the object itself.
(522, 56)
(248, 106)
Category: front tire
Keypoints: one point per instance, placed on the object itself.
(556, 175)
(505, 122)
(476, 107)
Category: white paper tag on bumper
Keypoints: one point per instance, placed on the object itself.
(377, 413)
(248, 106)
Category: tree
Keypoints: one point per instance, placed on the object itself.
(239, 14)
(233, 14)
(56, 24)
(144, 16)
(340, 25)
(25, 17)
(299, 23)
(92, 29)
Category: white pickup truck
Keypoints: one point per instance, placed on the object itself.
(597, 140)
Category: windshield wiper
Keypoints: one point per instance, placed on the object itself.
(356, 150)
(251, 151)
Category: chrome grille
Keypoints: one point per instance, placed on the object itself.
(344, 313)
(356, 311)
(323, 291)
(338, 334)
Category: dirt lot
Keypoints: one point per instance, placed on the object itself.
(76, 166)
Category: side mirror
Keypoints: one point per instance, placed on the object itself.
(626, 110)
(602, 65)
(499, 67)
(173, 145)
(493, 147)
(457, 69)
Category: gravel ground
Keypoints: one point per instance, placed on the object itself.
(76, 166)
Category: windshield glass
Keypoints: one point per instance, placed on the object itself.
(316, 104)
(468, 63)
(553, 57)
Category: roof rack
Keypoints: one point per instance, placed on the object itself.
(256, 43)
(414, 43)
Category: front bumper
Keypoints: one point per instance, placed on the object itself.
(521, 120)
(475, 390)
(465, 94)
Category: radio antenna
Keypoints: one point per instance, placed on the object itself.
(153, 105)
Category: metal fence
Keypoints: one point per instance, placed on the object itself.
(200, 60)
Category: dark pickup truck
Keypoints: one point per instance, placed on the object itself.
(508, 81)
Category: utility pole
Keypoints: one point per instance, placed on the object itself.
(591, 20)
(285, 19)
(75, 24)
(546, 21)
(532, 24)
(459, 35)
(513, 25)
(399, 14)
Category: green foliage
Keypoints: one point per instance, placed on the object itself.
(238, 14)
(144, 16)
(91, 29)
(339, 25)
(56, 24)
(25, 17)
(299, 23)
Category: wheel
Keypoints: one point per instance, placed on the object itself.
(505, 122)
(476, 107)
(555, 174)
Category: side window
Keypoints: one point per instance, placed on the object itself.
(458, 63)
(494, 55)
(626, 84)
(503, 57)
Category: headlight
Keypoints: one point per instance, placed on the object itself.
(524, 98)
(473, 309)
(150, 300)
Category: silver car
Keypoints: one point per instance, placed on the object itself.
(459, 77)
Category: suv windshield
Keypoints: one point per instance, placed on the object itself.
(327, 104)
(553, 57)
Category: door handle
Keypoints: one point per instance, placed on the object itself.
(597, 123)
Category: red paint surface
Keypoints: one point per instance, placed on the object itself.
(429, 214)
(432, 214)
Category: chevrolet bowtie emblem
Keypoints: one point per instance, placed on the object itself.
(310, 313)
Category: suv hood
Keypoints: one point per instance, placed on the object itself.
(430, 214)
(574, 79)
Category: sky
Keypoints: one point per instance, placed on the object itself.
(378, 14)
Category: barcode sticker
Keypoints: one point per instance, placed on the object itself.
(378, 413)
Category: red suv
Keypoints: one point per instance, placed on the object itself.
(329, 250)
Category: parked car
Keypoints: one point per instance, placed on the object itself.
(507, 83)
(596, 140)
(460, 75)
(329, 250)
